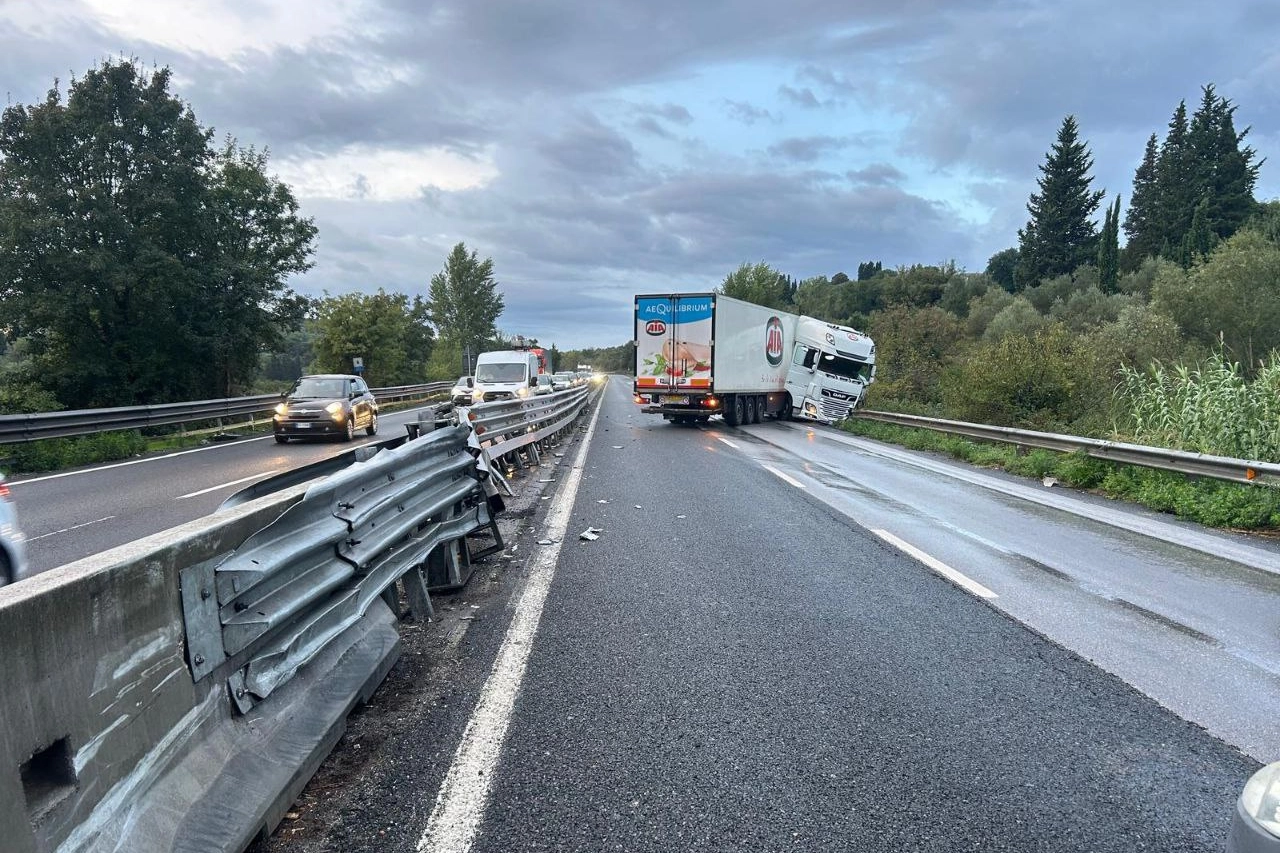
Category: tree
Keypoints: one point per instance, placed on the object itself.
(1175, 193)
(1061, 234)
(758, 283)
(1109, 250)
(464, 303)
(141, 264)
(387, 331)
(868, 270)
(1142, 219)
(1002, 267)
(1224, 172)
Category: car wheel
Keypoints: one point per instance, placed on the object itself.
(372, 428)
(350, 434)
(282, 439)
(6, 572)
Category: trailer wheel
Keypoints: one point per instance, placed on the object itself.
(762, 405)
(733, 411)
(749, 411)
(784, 414)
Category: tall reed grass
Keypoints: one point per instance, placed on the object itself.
(1211, 408)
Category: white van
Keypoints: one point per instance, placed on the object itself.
(505, 374)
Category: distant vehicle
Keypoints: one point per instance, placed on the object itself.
(460, 395)
(13, 545)
(764, 362)
(331, 404)
(565, 379)
(505, 375)
(584, 375)
(546, 384)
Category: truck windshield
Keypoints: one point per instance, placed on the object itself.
(509, 371)
(845, 368)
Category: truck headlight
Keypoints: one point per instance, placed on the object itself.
(282, 409)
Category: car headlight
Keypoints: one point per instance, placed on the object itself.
(335, 411)
(282, 409)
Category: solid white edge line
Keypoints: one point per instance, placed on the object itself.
(721, 438)
(787, 478)
(937, 565)
(464, 794)
(223, 486)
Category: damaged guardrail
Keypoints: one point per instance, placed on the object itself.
(177, 693)
(1163, 458)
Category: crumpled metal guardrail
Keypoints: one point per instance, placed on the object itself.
(301, 581)
(507, 426)
(33, 427)
(1163, 458)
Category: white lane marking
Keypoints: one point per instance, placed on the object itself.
(724, 440)
(223, 486)
(69, 529)
(785, 477)
(464, 794)
(937, 565)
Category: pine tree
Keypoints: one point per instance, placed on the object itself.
(1176, 192)
(1109, 250)
(1061, 234)
(1224, 174)
(1141, 220)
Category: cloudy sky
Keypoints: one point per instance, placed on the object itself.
(601, 148)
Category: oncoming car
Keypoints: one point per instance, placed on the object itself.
(13, 550)
(331, 404)
(462, 391)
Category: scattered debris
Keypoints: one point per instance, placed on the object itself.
(546, 542)
(602, 501)
(591, 534)
(545, 498)
(550, 480)
(617, 447)
(679, 516)
(639, 507)
(1050, 482)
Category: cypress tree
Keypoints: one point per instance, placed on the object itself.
(1175, 188)
(1141, 220)
(1224, 173)
(1109, 250)
(1061, 234)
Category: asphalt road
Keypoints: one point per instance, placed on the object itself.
(74, 514)
(736, 665)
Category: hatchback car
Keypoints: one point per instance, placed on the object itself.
(13, 547)
(546, 384)
(564, 380)
(462, 391)
(326, 405)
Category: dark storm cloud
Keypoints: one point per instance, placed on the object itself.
(806, 149)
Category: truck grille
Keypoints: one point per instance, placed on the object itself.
(834, 410)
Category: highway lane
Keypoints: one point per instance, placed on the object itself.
(70, 515)
(1187, 615)
(736, 665)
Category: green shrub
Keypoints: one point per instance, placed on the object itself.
(54, 454)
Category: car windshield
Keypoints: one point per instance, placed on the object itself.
(544, 379)
(846, 368)
(464, 380)
(312, 387)
(504, 371)
(564, 377)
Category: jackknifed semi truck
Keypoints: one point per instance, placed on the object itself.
(704, 354)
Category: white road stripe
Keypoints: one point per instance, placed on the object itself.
(69, 529)
(721, 438)
(937, 565)
(785, 477)
(132, 462)
(464, 794)
(223, 486)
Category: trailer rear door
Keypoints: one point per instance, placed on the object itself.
(673, 345)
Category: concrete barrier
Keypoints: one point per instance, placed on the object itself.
(108, 744)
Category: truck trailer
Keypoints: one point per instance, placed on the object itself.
(702, 354)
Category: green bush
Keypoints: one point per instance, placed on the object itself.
(55, 454)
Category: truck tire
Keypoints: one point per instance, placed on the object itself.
(749, 411)
(784, 414)
(733, 410)
(762, 405)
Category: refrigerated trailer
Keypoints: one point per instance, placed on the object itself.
(702, 354)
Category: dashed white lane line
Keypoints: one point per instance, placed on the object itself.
(786, 478)
(223, 486)
(69, 529)
(464, 794)
(724, 440)
(937, 565)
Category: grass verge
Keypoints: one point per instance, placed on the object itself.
(1213, 503)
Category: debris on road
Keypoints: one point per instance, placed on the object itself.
(1050, 482)
(546, 542)
(591, 534)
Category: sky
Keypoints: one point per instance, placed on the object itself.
(596, 150)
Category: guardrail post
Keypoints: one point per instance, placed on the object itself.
(415, 590)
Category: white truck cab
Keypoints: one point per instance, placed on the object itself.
(831, 367)
(505, 375)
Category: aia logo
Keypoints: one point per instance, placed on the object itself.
(655, 328)
(773, 341)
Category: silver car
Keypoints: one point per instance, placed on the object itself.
(13, 549)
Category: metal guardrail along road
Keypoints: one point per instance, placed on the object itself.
(20, 428)
(1163, 458)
